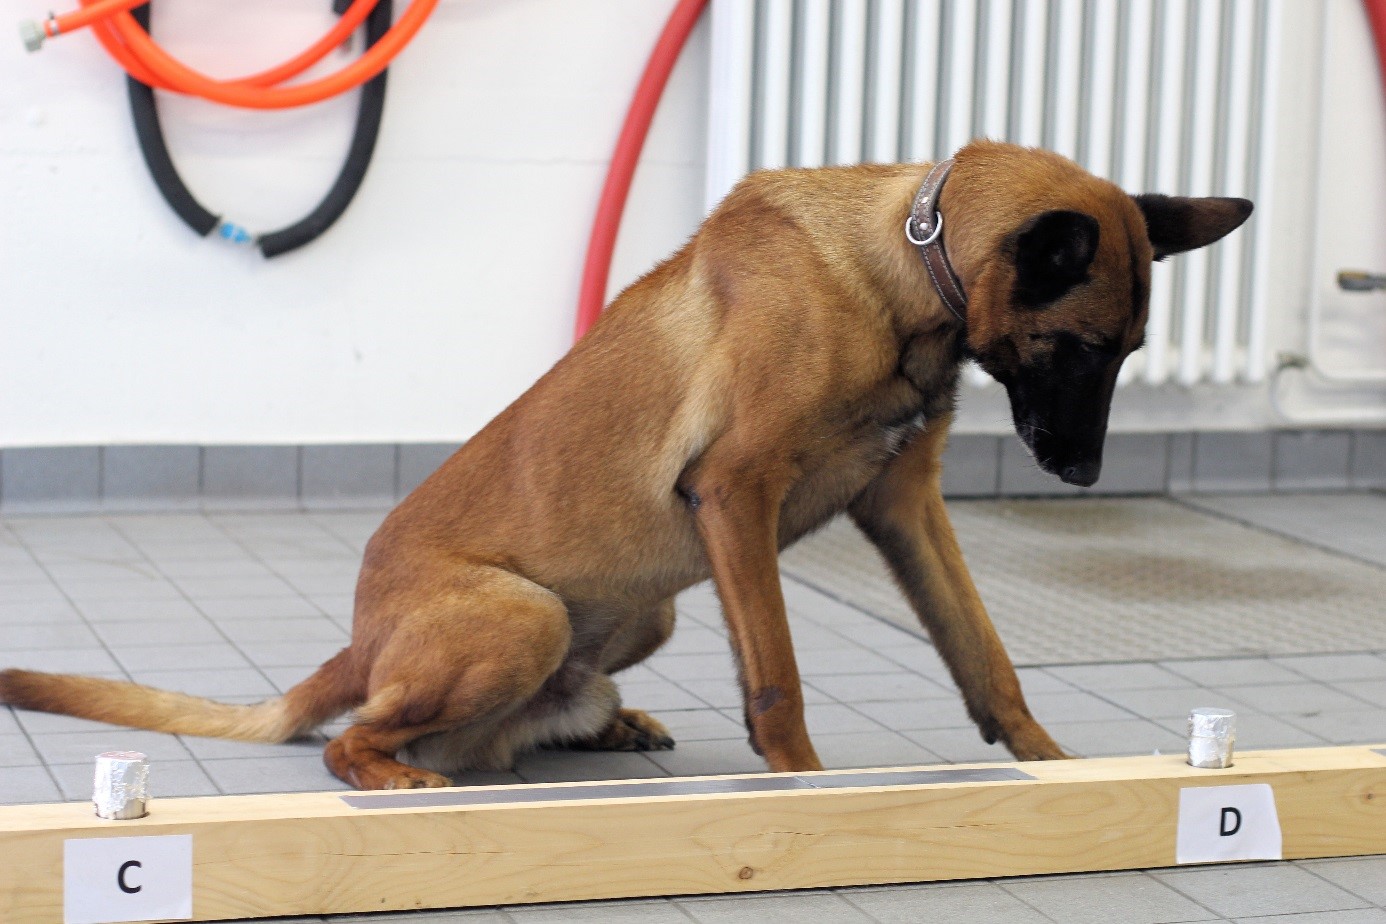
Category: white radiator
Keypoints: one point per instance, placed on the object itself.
(1171, 96)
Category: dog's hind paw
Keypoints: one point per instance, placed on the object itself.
(630, 730)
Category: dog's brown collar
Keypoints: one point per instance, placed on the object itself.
(924, 229)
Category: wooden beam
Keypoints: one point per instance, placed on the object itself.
(325, 853)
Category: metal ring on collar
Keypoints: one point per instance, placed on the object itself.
(909, 231)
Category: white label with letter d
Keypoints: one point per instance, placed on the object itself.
(1222, 823)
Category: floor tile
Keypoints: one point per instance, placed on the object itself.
(712, 666)
(51, 611)
(458, 915)
(63, 661)
(1037, 680)
(226, 749)
(306, 654)
(969, 903)
(870, 749)
(572, 766)
(43, 636)
(1337, 668)
(709, 758)
(799, 907)
(872, 688)
(276, 774)
(252, 586)
(1359, 916)
(958, 745)
(168, 779)
(1262, 889)
(320, 629)
(1173, 703)
(19, 785)
(1370, 692)
(1290, 699)
(285, 678)
(226, 561)
(844, 661)
(1074, 707)
(97, 611)
(16, 751)
(90, 591)
(837, 718)
(648, 911)
(47, 723)
(657, 696)
(1266, 731)
(1125, 737)
(213, 683)
(1232, 672)
(138, 658)
(1106, 677)
(83, 747)
(1364, 877)
(701, 725)
(31, 592)
(69, 571)
(911, 715)
(722, 693)
(153, 633)
(276, 607)
(1344, 726)
(279, 585)
(1134, 898)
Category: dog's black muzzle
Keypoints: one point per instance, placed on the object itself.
(1061, 415)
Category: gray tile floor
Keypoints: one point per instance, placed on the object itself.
(239, 606)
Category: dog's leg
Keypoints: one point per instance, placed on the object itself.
(737, 512)
(640, 637)
(467, 655)
(634, 729)
(902, 512)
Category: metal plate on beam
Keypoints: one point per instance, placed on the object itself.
(521, 794)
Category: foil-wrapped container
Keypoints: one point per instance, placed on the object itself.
(121, 788)
(1212, 732)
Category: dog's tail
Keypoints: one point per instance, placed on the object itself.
(329, 692)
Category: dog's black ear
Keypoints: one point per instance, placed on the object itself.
(1052, 252)
(1180, 223)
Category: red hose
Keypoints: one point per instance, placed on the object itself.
(596, 269)
(1376, 12)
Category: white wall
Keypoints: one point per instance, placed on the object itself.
(451, 282)
(444, 291)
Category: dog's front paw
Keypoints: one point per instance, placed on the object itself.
(630, 730)
(1035, 744)
(414, 778)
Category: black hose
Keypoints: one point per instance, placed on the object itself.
(151, 137)
(145, 113)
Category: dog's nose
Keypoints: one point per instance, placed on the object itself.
(1083, 474)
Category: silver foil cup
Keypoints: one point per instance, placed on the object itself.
(1212, 732)
(121, 788)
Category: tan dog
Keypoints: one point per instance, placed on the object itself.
(795, 360)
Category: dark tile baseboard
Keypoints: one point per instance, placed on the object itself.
(66, 479)
(60, 479)
(1211, 462)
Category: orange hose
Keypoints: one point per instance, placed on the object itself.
(144, 60)
(89, 13)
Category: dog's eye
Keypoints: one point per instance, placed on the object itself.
(1105, 350)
